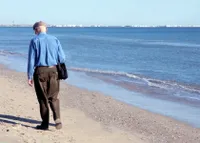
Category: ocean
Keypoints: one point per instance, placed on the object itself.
(157, 69)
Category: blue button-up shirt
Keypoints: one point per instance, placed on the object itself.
(44, 50)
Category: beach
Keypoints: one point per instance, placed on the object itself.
(88, 117)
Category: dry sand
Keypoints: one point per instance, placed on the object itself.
(88, 117)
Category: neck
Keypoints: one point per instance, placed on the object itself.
(43, 32)
(37, 33)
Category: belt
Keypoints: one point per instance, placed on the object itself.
(46, 66)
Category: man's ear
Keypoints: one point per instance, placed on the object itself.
(36, 32)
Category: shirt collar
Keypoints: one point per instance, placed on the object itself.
(41, 33)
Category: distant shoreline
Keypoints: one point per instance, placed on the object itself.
(103, 26)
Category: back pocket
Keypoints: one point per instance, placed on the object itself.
(43, 77)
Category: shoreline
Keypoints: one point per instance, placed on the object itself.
(98, 26)
(142, 125)
(172, 107)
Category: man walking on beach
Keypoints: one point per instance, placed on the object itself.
(45, 51)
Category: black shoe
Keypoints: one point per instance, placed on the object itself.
(58, 126)
(41, 127)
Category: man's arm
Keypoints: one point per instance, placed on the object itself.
(61, 54)
(31, 62)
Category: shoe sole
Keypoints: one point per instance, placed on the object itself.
(58, 126)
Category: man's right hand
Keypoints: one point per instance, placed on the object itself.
(30, 82)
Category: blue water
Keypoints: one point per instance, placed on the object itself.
(153, 68)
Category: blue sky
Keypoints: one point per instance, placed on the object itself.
(104, 12)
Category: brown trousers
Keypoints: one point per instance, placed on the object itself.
(47, 87)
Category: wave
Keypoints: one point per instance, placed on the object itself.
(173, 85)
(106, 72)
(107, 38)
(149, 81)
(3, 52)
(138, 41)
(174, 44)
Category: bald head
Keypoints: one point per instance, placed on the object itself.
(39, 27)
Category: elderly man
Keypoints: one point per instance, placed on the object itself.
(45, 51)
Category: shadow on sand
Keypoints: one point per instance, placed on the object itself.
(7, 118)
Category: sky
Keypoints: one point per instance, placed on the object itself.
(101, 12)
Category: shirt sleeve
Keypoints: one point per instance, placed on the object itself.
(61, 54)
(31, 60)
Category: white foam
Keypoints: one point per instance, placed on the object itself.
(176, 44)
(151, 82)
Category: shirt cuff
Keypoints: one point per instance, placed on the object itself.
(30, 77)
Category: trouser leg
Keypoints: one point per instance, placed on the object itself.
(55, 107)
(41, 83)
(44, 112)
(54, 85)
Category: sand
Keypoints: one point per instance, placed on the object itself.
(88, 117)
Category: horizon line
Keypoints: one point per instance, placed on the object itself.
(96, 25)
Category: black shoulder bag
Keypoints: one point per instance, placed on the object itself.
(62, 71)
